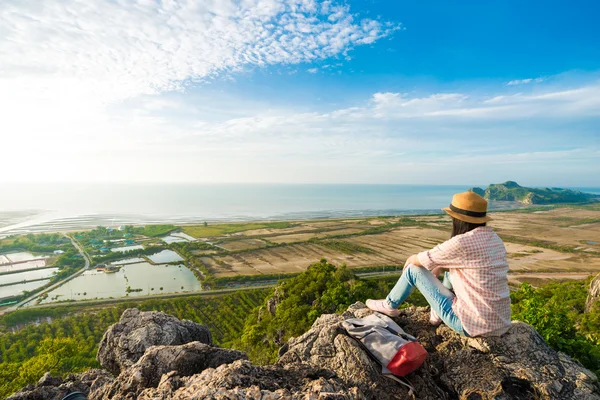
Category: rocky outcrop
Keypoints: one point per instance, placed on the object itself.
(516, 365)
(126, 341)
(325, 363)
(188, 359)
(593, 293)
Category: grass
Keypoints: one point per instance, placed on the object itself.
(199, 231)
(343, 246)
(154, 230)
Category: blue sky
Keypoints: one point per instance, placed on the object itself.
(301, 91)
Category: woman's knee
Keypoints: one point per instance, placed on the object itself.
(412, 271)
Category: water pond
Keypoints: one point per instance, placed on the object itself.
(127, 248)
(173, 239)
(27, 276)
(184, 236)
(147, 277)
(165, 256)
(14, 290)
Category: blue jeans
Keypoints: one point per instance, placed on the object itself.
(438, 294)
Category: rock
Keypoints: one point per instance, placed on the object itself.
(55, 388)
(49, 380)
(127, 340)
(186, 360)
(517, 365)
(242, 380)
(593, 293)
(274, 300)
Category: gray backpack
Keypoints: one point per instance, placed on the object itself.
(398, 352)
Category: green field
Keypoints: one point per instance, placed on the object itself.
(199, 231)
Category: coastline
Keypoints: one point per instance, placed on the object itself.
(46, 222)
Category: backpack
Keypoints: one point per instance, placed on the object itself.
(398, 352)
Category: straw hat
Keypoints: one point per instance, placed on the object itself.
(468, 207)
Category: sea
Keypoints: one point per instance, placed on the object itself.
(26, 208)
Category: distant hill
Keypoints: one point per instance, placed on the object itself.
(512, 191)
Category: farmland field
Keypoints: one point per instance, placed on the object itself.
(557, 242)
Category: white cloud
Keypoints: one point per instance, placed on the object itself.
(112, 50)
(312, 70)
(524, 81)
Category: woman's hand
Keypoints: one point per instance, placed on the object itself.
(437, 271)
(414, 260)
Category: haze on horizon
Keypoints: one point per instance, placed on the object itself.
(300, 91)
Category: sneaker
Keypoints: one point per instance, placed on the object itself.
(434, 319)
(382, 307)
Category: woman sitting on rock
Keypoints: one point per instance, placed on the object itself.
(474, 261)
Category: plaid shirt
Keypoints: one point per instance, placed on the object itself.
(478, 270)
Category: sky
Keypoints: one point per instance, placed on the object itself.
(300, 91)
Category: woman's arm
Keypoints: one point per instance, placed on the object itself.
(414, 260)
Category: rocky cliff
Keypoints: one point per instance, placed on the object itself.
(151, 355)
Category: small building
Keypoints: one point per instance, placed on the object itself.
(121, 227)
(127, 235)
(129, 241)
(59, 251)
(104, 249)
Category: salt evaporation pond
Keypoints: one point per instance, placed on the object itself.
(22, 266)
(143, 276)
(27, 276)
(128, 248)
(14, 290)
(21, 256)
(165, 256)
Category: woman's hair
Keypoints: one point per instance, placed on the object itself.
(459, 227)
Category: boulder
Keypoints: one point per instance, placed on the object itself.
(187, 359)
(126, 341)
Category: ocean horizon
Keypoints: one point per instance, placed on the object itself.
(53, 207)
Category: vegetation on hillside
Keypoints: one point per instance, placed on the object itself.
(557, 312)
(322, 288)
(512, 191)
